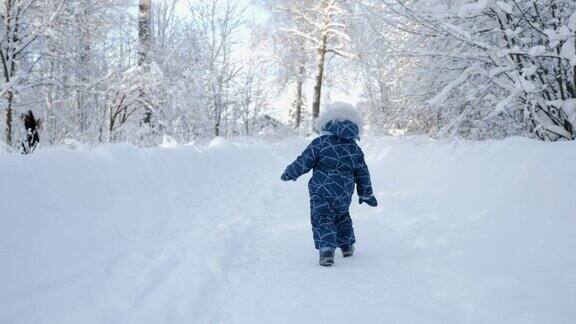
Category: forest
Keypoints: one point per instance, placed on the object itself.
(174, 70)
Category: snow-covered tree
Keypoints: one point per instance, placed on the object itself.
(217, 23)
(484, 69)
(23, 24)
(319, 27)
(292, 58)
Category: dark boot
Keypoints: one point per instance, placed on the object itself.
(326, 258)
(347, 250)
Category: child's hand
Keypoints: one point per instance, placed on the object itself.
(285, 177)
(370, 200)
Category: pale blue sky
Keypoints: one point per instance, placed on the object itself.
(252, 12)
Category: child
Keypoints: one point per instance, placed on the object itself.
(338, 164)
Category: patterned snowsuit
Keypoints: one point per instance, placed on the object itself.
(338, 164)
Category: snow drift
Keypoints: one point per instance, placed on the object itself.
(466, 232)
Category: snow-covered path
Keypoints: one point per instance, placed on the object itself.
(465, 233)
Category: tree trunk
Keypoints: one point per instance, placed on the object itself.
(144, 32)
(299, 95)
(574, 75)
(574, 81)
(145, 40)
(85, 61)
(111, 122)
(217, 128)
(319, 77)
(298, 117)
(9, 117)
(8, 58)
(49, 106)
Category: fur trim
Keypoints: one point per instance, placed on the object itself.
(339, 111)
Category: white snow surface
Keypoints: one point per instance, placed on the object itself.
(466, 232)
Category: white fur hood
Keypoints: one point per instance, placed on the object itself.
(339, 112)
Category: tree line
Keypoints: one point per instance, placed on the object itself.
(145, 70)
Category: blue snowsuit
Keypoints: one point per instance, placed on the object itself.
(338, 164)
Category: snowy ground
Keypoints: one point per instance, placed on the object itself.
(465, 233)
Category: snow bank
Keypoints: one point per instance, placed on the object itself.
(466, 232)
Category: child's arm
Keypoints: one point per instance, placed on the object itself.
(304, 163)
(363, 183)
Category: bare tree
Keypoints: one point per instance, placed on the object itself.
(218, 22)
(21, 26)
(144, 50)
(15, 39)
(319, 24)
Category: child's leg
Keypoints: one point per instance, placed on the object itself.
(323, 226)
(344, 230)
